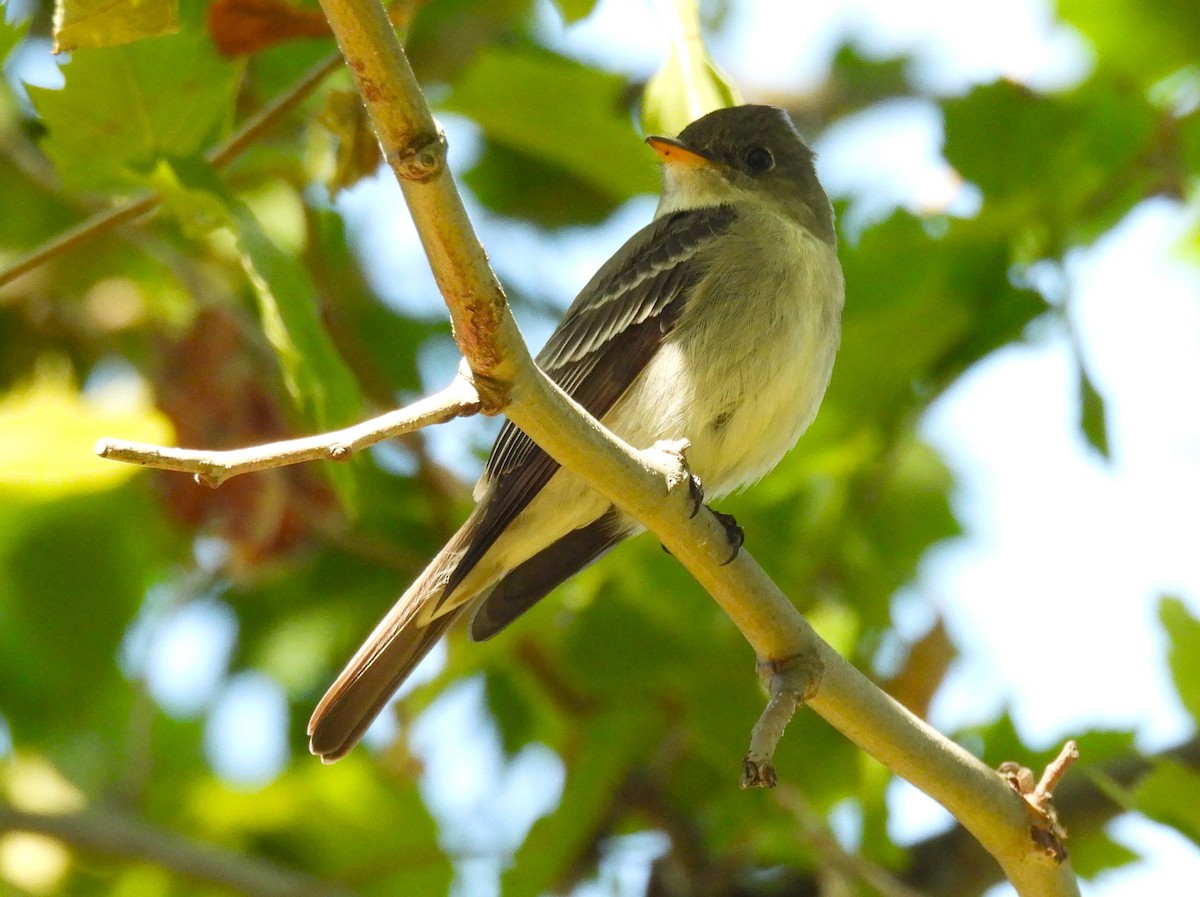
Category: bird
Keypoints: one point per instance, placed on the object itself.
(717, 322)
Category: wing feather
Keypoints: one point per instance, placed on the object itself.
(605, 339)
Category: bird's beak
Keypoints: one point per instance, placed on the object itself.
(675, 153)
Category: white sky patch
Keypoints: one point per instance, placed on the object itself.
(246, 736)
(182, 653)
(778, 45)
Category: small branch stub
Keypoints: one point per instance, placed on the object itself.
(789, 683)
(1047, 833)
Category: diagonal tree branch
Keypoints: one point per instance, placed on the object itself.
(488, 337)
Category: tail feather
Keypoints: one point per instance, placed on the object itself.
(526, 584)
(386, 658)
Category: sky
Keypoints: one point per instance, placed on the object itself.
(1075, 549)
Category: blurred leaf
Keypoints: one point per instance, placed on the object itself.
(74, 570)
(48, 430)
(328, 819)
(240, 27)
(357, 154)
(447, 36)
(520, 185)
(688, 85)
(316, 376)
(1183, 652)
(1096, 852)
(556, 110)
(510, 710)
(1062, 169)
(125, 108)
(1170, 794)
(636, 650)
(574, 10)
(598, 763)
(11, 33)
(956, 288)
(1093, 420)
(925, 666)
(1144, 38)
(860, 81)
(101, 23)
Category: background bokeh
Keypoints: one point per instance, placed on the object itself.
(994, 515)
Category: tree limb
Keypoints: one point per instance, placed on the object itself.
(647, 484)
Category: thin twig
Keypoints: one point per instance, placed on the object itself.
(113, 834)
(211, 468)
(246, 136)
(1044, 791)
(789, 683)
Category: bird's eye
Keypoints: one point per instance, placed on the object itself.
(760, 159)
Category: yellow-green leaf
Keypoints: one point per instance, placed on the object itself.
(689, 84)
(48, 430)
(102, 23)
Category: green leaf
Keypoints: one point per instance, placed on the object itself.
(517, 98)
(11, 33)
(574, 10)
(123, 109)
(1183, 653)
(47, 431)
(1054, 170)
(1170, 794)
(73, 570)
(609, 745)
(515, 183)
(510, 710)
(688, 84)
(102, 23)
(1143, 38)
(351, 822)
(320, 384)
(1093, 852)
(1093, 419)
(316, 377)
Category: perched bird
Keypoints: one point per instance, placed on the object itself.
(717, 322)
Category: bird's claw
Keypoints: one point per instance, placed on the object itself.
(733, 533)
(696, 493)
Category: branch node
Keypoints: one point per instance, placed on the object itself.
(790, 682)
(339, 451)
(493, 394)
(423, 158)
(1046, 832)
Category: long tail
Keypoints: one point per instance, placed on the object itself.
(402, 638)
(385, 659)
